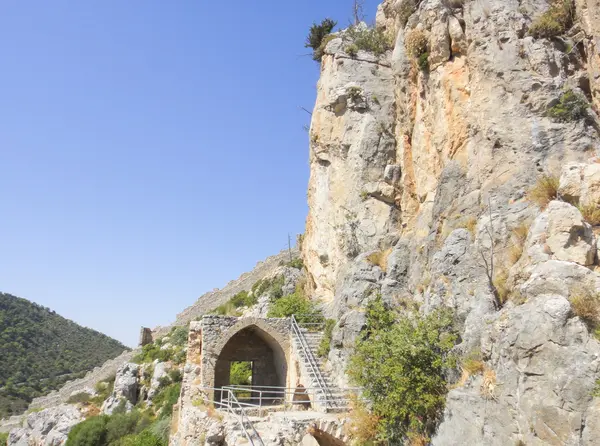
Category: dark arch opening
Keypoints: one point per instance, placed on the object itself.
(269, 364)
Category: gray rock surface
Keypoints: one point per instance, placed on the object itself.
(161, 370)
(125, 389)
(50, 427)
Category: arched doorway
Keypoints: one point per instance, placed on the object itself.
(254, 345)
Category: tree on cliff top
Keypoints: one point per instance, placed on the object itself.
(318, 37)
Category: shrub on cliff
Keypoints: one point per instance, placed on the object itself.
(400, 362)
(318, 37)
(3, 439)
(373, 40)
(571, 107)
(297, 304)
(554, 22)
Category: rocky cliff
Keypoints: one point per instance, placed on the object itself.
(425, 161)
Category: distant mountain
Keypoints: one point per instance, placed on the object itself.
(40, 351)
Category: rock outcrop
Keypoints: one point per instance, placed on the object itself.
(421, 172)
(125, 391)
(50, 427)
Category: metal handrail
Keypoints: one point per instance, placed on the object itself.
(311, 361)
(239, 417)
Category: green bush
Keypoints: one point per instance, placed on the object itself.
(273, 287)
(400, 361)
(296, 263)
(120, 425)
(304, 309)
(163, 381)
(161, 429)
(82, 397)
(151, 352)
(423, 62)
(325, 344)
(318, 37)
(175, 375)
(91, 432)
(179, 336)
(372, 40)
(571, 107)
(554, 22)
(3, 438)
(166, 398)
(145, 438)
(103, 390)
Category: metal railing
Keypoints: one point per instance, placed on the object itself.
(313, 366)
(236, 409)
(271, 396)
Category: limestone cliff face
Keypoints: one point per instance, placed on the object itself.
(430, 170)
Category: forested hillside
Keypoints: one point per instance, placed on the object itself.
(40, 350)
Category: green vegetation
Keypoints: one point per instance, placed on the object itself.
(554, 22)
(241, 373)
(595, 393)
(325, 344)
(40, 351)
(273, 287)
(177, 341)
(400, 361)
(120, 429)
(3, 439)
(571, 107)
(423, 62)
(318, 37)
(296, 263)
(373, 40)
(304, 309)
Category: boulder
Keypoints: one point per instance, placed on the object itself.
(125, 389)
(580, 182)
(50, 427)
(161, 370)
(569, 237)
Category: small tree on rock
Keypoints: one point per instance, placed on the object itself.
(317, 37)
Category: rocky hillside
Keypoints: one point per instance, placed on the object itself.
(455, 165)
(40, 351)
(211, 300)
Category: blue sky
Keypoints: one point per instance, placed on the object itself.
(150, 150)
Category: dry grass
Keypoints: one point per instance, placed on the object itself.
(416, 42)
(591, 214)
(380, 258)
(488, 386)
(470, 224)
(518, 238)
(586, 305)
(544, 190)
(417, 439)
(471, 365)
(554, 22)
(363, 425)
(501, 285)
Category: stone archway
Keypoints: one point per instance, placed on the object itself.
(264, 342)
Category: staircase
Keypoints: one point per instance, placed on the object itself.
(329, 398)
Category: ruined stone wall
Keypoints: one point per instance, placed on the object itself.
(101, 373)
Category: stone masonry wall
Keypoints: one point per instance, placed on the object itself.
(88, 381)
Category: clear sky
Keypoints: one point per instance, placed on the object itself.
(150, 150)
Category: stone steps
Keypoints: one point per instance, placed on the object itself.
(312, 341)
